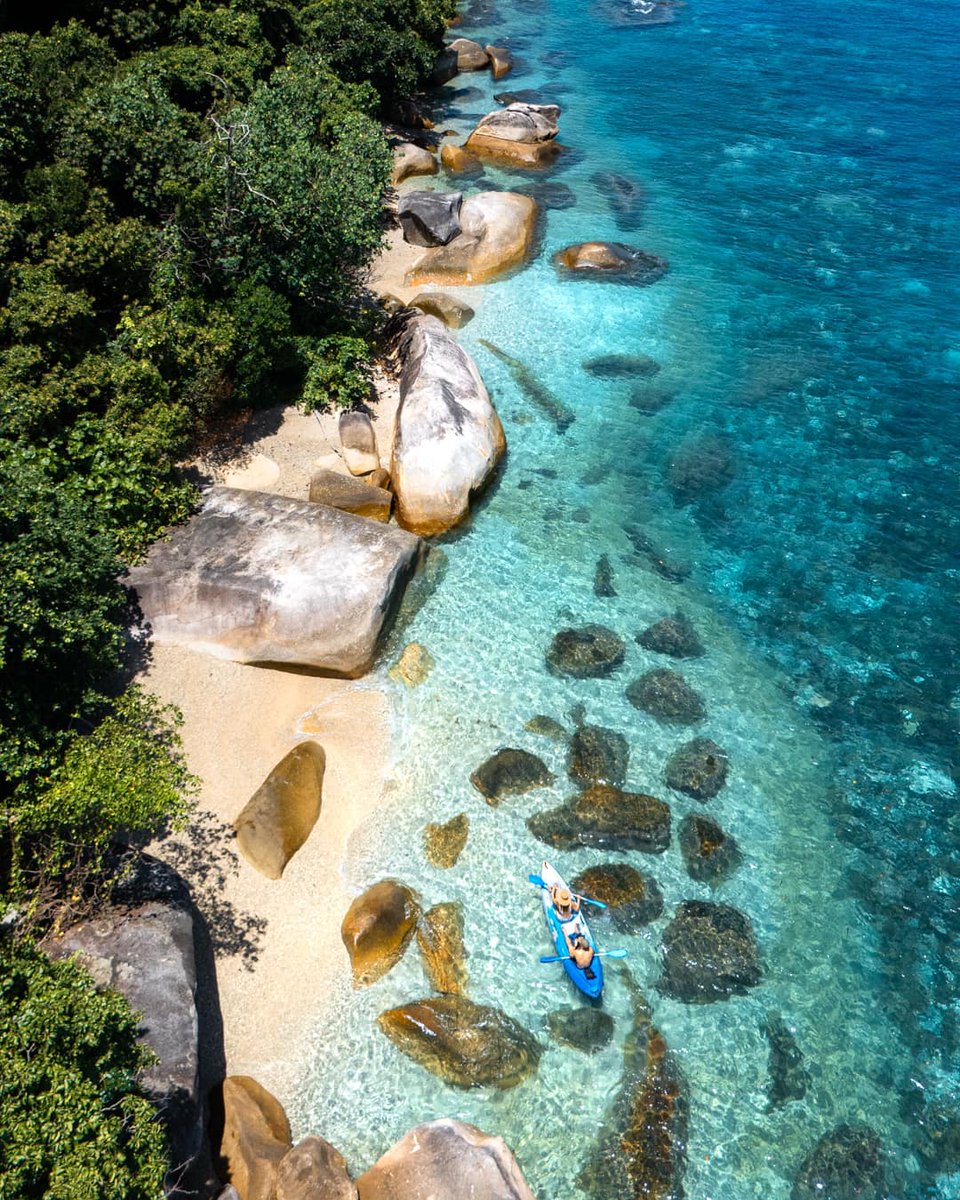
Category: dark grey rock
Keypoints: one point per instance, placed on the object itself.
(598, 755)
(550, 193)
(607, 818)
(586, 1029)
(632, 898)
(788, 1078)
(430, 218)
(621, 366)
(667, 696)
(698, 768)
(547, 727)
(674, 635)
(626, 197)
(710, 854)
(649, 400)
(603, 578)
(700, 466)
(846, 1164)
(509, 771)
(588, 652)
(709, 953)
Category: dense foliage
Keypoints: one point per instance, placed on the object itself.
(189, 194)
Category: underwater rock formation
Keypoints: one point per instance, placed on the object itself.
(464, 1043)
(598, 755)
(626, 197)
(700, 466)
(377, 928)
(547, 727)
(440, 940)
(621, 366)
(846, 1164)
(282, 812)
(607, 818)
(414, 665)
(538, 395)
(586, 1029)
(603, 578)
(709, 953)
(674, 635)
(632, 898)
(609, 260)
(509, 772)
(588, 652)
(443, 844)
(698, 768)
(667, 696)
(710, 854)
(788, 1078)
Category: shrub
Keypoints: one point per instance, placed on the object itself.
(338, 374)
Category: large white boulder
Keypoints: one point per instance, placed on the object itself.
(448, 436)
(260, 578)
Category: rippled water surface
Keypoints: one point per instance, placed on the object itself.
(797, 451)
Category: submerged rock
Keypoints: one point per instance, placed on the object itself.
(700, 466)
(641, 1151)
(282, 812)
(508, 772)
(650, 400)
(608, 818)
(674, 635)
(609, 260)
(603, 578)
(443, 844)
(533, 389)
(546, 727)
(377, 928)
(314, 1168)
(664, 561)
(423, 1163)
(463, 1043)
(440, 939)
(621, 366)
(698, 768)
(414, 665)
(632, 899)
(498, 232)
(846, 1164)
(709, 953)
(586, 1029)
(589, 652)
(626, 197)
(549, 193)
(788, 1078)
(598, 755)
(667, 696)
(710, 854)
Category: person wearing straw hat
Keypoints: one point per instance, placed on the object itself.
(565, 904)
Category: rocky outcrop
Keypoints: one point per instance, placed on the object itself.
(377, 928)
(508, 772)
(422, 1165)
(445, 68)
(282, 812)
(314, 1169)
(586, 1029)
(536, 392)
(498, 232)
(598, 755)
(609, 260)
(440, 940)
(674, 635)
(699, 467)
(667, 696)
(710, 853)
(350, 495)
(607, 818)
(457, 161)
(443, 844)
(632, 898)
(709, 953)
(430, 218)
(846, 1164)
(621, 366)
(788, 1077)
(463, 1043)
(501, 63)
(414, 665)
(410, 159)
(626, 197)
(358, 441)
(520, 135)
(256, 1137)
(698, 768)
(260, 578)
(448, 309)
(544, 726)
(471, 56)
(588, 652)
(448, 436)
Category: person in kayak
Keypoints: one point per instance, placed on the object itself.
(565, 904)
(581, 952)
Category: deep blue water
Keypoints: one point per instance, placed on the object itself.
(800, 172)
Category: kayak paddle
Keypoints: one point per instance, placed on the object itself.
(551, 958)
(535, 879)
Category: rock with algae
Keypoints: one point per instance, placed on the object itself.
(440, 939)
(586, 1029)
(508, 772)
(597, 755)
(699, 768)
(586, 652)
(377, 927)
(607, 818)
(788, 1077)
(537, 393)
(666, 695)
(632, 898)
(444, 843)
(710, 853)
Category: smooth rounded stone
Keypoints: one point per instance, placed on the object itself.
(282, 812)
(259, 578)
(377, 927)
(444, 843)
(632, 898)
(710, 854)
(699, 768)
(448, 309)
(458, 161)
(358, 441)
(445, 68)
(499, 230)
(607, 818)
(549, 193)
(350, 494)
(379, 479)
(410, 159)
(609, 260)
(586, 1029)
(846, 1164)
(651, 400)
(465, 1044)
(414, 665)
(699, 467)
(312, 1169)
(259, 474)
(520, 135)
(440, 940)
(588, 652)
(471, 56)
(709, 953)
(603, 578)
(448, 437)
(667, 696)
(423, 1163)
(626, 197)
(508, 772)
(501, 62)
(621, 366)
(430, 218)
(598, 755)
(256, 1137)
(547, 727)
(674, 635)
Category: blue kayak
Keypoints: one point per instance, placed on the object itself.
(589, 981)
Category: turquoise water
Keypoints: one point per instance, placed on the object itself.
(799, 170)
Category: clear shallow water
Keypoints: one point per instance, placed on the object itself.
(800, 171)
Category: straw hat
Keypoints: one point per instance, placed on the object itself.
(563, 897)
